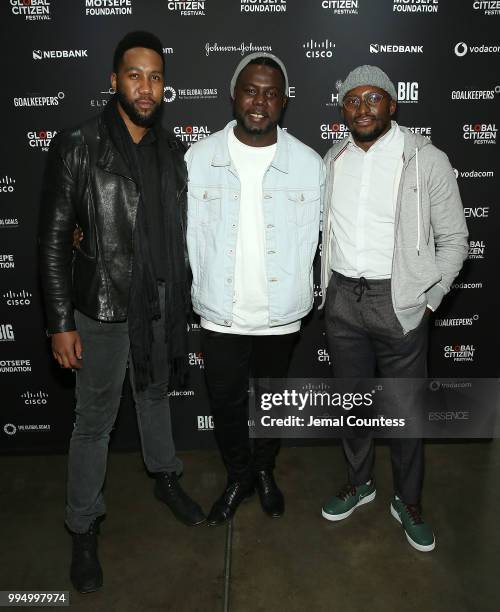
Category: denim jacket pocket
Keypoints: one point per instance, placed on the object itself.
(207, 201)
(302, 205)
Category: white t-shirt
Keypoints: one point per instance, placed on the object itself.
(250, 300)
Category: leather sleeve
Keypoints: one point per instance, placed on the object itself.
(56, 224)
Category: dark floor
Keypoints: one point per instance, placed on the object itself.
(297, 563)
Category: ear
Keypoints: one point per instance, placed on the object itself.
(392, 107)
(113, 80)
(285, 101)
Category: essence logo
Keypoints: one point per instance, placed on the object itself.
(316, 50)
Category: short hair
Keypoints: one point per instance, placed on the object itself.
(137, 39)
(267, 61)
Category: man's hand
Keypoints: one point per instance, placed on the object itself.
(67, 349)
(77, 237)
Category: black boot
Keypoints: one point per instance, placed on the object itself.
(169, 491)
(86, 571)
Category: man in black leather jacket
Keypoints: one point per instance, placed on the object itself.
(122, 296)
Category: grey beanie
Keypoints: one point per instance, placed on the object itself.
(367, 75)
(247, 59)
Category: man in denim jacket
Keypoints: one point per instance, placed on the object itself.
(253, 222)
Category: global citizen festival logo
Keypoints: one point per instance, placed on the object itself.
(170, 94)
(99, 8)
(7, 184)
(383, 48)
(17, 298)
(40, 100)
(334, 131)
(6, 332)
(196, 359)
(37, 398)
(460, 322)
(341, 7)
(407, 92)
(489, 7)
(459, 352)
(323, 49)
(263, 6)
(31, 10)
(187, 8)
(415, 6)
(41, 139)
(480, 133)
(7, 262)
(462, 48)
(191, 133)
(477, 249)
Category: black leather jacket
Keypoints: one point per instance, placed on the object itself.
(87, 184)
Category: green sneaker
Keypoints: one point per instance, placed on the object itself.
(343, 504)
(418, 532)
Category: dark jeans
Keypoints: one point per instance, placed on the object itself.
(366, 340)
(229, 361)
(99, 384)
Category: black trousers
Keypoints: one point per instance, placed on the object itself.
(367, 340)
(230, 359)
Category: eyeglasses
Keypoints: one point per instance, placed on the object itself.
(370, 98)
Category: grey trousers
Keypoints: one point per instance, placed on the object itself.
(99, 382)
(366, 340)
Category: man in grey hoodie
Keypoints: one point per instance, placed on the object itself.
(394, 239)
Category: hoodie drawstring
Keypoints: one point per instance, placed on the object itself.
(418, 203)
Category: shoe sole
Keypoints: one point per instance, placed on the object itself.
(339, 517)
(415, 545)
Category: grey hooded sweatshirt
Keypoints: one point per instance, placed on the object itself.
(430, 233)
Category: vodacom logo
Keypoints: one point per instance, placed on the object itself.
(461, 49)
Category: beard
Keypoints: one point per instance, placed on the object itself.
(251, 129)
(369, 136)
(141, 119)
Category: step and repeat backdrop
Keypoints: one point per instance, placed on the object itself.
(443, 56)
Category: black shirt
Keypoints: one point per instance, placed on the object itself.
(151, 200)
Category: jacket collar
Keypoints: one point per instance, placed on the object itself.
(222, 158)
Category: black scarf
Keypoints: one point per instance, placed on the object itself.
(143, 305)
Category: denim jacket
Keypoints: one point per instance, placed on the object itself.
(292, 192)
